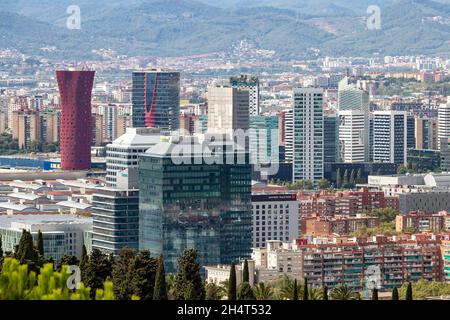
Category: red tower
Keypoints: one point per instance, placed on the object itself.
(75, 88)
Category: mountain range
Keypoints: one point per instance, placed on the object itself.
(187, 27)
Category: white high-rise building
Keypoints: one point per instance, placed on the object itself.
(227, 109)
(289, 135)
(444, 121)
(122, 156)
(352, 144)
(308, 134)
(390, 136)
(353, 105)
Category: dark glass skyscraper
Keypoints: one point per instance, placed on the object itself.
(198, 205)
(75, 88)
(330, 138)
(156, 99)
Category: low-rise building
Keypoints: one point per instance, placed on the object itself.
(341, 225)
(62, 234)
(419, 221)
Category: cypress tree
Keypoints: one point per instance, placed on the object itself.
(26, 252)
(188, 284)
(40, 244)
(245, 272)
(338, 178)
(232, 283)
(1, 247)
(295, 294)
(83, 262)
(325, 293)
(305, 290)
(409, 293)
(375, 294)
(160, 291)
(395, 294)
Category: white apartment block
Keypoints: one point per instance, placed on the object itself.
(308, 134)
(444, 121)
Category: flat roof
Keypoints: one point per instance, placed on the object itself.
(16, 207)
(74, 204)
(24, 196)
(33, 219)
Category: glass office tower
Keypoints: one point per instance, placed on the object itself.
(156, 99)
(196, 204)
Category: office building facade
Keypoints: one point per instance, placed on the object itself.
(390, 137)
(251, 84)
(193, 201)
(156, 99)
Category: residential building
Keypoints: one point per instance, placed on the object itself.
(308, 134)
(444, 121)
(420, 221)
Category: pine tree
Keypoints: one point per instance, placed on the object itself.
(409, 292)
(338, 178)
(295, 295)
(40, 244)
(83, 262)
(245, 272)
(123, 274)
(188, 282)
(325, 293)
(97, 271)
(145, 274)
(395, 294)
(375, 294)
(232, 283)
(160, 291)
(305, 290)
